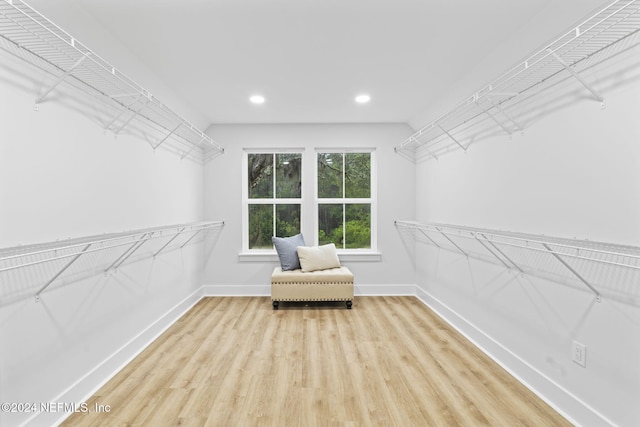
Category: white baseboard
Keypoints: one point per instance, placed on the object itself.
(236, 290)
(564, 402)
(384, 290)
(87, 386)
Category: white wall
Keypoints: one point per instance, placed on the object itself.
(573, 173)
(223, 199)
(62, 177)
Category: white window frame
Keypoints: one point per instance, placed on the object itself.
(372, 200)
(246, 201)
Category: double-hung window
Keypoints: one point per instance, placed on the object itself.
(341, 209)
(273, 197)
(345, 199)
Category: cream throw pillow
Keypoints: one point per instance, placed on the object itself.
(318, 257)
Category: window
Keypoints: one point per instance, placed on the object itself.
(273, 195)
(341, 209)
(345, 199)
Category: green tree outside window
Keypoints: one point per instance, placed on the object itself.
(274, 181)
(344, 193)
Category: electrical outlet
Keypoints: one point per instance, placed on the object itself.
(579, 354)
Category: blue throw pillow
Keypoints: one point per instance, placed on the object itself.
(287, 251)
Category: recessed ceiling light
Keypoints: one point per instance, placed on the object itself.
(257, 99)
(363, 99)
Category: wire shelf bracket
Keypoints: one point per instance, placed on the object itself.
(508, 117)
(577, 76)
(130, 251)
(121, 112)
(170, 240)
(486, 246)
(53, 279)
(451, 241)
(575, 273)
(425, 234)
(452, 138)
(493, 245)
(167, 137)
(190, 238)
(60, 80)
(491, 116)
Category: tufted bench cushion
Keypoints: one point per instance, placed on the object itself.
(334, 284)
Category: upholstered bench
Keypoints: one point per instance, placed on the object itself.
(333, 284)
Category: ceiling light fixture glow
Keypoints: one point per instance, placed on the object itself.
(363, 99)
(257, 99)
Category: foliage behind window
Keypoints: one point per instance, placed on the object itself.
(275, 183)
(344, 199)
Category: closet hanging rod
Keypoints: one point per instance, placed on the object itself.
(194, 227)
(116, 236)
(555, 243)
(432, 227)
(418, 225)
(549, 246)
(561, 245)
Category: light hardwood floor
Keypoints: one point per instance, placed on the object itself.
(390, 361)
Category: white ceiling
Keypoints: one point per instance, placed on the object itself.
(310, 58)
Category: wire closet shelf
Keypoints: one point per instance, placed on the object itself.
(518, 252)
(30, 36)
(40, 265)
(498, 102)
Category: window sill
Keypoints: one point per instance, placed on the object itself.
(345, 256)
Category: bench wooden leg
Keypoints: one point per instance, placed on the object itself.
(349, 304)
(275, 304)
